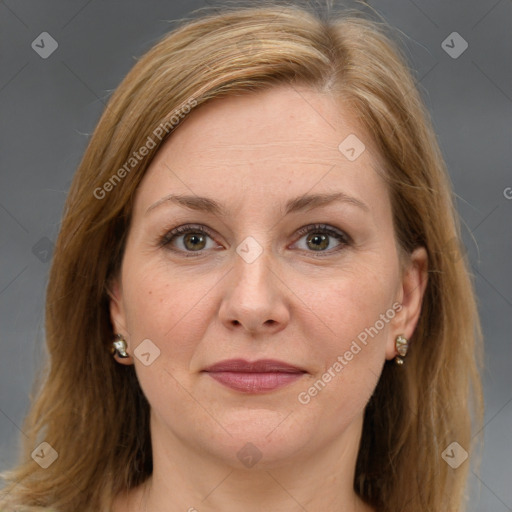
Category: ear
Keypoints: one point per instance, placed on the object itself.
(410, 296)
(118, 316)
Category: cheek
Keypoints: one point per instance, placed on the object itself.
(354, 302)
(166, 307)
(351, 343)
(162, 307)
(356, 312)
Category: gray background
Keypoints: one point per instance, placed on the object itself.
(49, 107)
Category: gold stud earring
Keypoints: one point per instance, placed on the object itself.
(401, 345)
(119, 347)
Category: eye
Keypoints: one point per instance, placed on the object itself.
(193, 239)
(318, 238)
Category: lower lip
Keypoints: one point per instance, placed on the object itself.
(255, 382)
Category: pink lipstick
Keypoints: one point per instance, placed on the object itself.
(254, 377)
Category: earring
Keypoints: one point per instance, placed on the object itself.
(401, 345)
(119, 346)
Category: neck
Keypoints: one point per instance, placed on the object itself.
(186, 478)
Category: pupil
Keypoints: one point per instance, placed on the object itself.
(195, 238)
(318, 239)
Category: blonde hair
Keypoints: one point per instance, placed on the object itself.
(92, 411)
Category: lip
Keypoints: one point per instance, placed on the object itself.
(260, 366)
(254, 377)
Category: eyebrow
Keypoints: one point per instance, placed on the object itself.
(301, 203)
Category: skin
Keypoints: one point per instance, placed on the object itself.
(294, 302)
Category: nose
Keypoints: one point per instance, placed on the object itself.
(255, 298)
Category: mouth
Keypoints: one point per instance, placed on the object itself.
(254, 377)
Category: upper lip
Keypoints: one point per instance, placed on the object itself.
(260, 366)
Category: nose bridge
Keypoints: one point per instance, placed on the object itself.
(254, 298)
(253, 265)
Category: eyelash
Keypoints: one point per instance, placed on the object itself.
(169, 236)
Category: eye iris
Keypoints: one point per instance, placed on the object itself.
(320, 241)
(194, 236)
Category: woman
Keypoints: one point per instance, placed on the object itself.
(251, 304)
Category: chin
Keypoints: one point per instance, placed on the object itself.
(261, 438)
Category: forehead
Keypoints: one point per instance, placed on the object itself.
(278, 142)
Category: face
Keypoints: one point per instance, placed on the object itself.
(314, 284)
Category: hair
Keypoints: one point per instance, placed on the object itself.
(92, 410)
